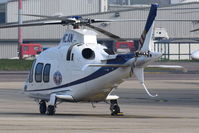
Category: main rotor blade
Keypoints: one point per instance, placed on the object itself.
(83, 20)
(41, 16)
(109, 34)
(31, 24)
(127, 20)
(194, 30)
(67, 19)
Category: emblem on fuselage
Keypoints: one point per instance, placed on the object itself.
(57, 77)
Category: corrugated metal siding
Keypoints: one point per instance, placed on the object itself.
(8, 50)
(52, 7)
(75, 7)
(175, 29)
(161, 2)
(46, 7)
(124, 29)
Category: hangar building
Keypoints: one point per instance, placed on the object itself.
(49, 35)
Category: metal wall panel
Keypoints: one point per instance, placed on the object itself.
(46, 7)
(52, 7)
(175, 29)
(8, 50)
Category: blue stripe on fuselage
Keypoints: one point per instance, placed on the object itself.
(120, 59)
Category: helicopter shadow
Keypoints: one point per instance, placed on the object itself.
(69, 115)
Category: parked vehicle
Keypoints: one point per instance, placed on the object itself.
(125, 47)
(30, 50)
(160, 34)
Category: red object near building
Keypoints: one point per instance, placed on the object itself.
(30, 50)
(125, 47)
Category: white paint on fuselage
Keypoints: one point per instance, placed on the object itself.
(85, 88)
(72, 70)
(195, 55)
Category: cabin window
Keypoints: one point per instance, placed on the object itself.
(31, 72)
(46, 73)
(38, 72)
(109, 51)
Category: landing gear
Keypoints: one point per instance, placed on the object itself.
(115, 109)
(51, 110)
(42, 107)
(52, 104)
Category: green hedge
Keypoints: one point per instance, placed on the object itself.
(15, 65)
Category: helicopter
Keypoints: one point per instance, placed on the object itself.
(81, 70)
(195, 55)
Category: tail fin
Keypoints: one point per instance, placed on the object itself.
(146, 37)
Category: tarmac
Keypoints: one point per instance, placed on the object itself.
(175, 110)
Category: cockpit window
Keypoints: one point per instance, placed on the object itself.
(38, 72)
(109, 51)
(68, 55)
(31, 72)
(46, 73)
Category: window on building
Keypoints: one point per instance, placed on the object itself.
(2, 18)
(2, 13)
(46, 73)
(38, 72)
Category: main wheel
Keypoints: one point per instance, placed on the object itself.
(42, 107)
(51, 110)
(115, 109)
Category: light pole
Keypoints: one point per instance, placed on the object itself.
(20, 39)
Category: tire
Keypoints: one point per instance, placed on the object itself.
(115, 109)
(51, 110)
(42, 107)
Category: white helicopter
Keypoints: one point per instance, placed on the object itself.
(81, 70)
(195, 55)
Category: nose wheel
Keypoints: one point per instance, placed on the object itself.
(115, 109)
(42, 107)
(51, 110)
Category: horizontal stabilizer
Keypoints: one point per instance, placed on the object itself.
(104, 65)
(107, 65)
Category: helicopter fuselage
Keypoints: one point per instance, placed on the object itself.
(63, 70)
